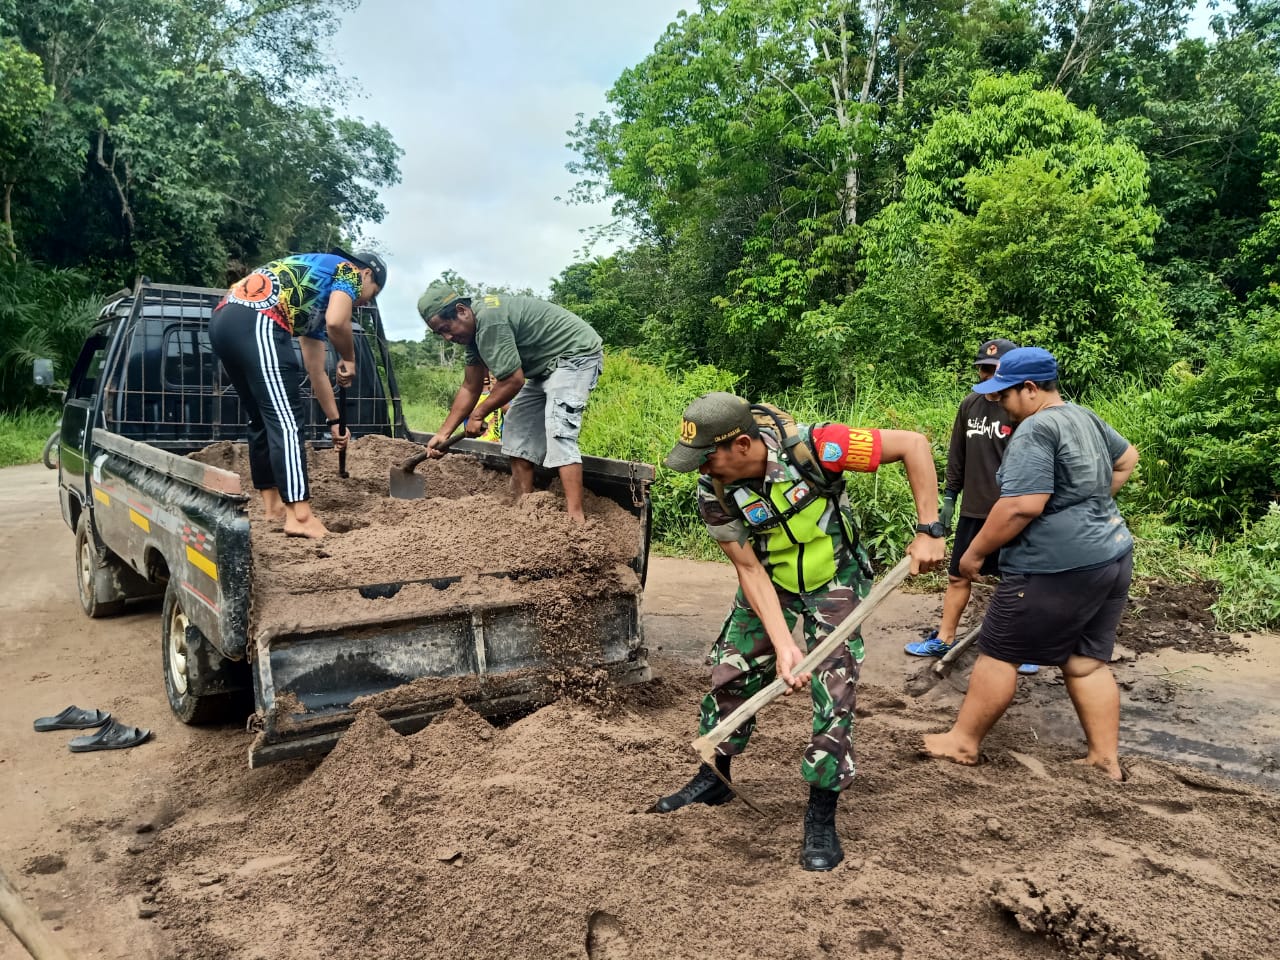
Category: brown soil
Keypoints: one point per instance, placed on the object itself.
(1173, 615)
(465, 543)
(465, 840)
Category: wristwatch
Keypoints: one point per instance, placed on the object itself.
(334, 422)
(935, 529)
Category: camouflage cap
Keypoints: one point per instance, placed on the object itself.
(711, 419)
(438, 297)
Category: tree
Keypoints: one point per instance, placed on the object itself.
(1021, 217)
(24, 96)
(185, 141)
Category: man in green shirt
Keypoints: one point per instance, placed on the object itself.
(545, 362)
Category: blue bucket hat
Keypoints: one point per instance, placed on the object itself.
(1018, 366)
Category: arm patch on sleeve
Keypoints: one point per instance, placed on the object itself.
(842, 448)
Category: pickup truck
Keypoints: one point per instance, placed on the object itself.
(150, 522)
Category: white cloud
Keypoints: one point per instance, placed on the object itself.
(480, 95)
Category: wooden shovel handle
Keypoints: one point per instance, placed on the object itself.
(707, 743)
(409, 464)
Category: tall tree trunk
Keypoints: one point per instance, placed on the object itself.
(10, 241)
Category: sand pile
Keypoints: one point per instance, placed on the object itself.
(465, 544)
(530, 842)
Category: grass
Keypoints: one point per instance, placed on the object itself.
(23, 435)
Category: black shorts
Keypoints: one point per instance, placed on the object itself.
(966, 529)
(1045, 618)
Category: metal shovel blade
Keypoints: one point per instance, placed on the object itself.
(407, 485)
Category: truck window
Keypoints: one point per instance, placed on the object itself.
(189, 361)
(84, 376)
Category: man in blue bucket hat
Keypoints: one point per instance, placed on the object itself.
(1066, 559)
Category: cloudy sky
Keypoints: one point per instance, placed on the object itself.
(479, 94)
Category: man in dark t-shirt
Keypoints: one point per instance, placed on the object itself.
(1066, 560)
(978, 438)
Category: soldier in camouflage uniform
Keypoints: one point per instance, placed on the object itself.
(785, 524)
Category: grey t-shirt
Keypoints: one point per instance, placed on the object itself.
(526, 333)
(1067, 452)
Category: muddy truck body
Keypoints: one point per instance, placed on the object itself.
(150, 522)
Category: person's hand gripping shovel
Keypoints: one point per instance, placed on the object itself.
(407, 485)
(705, 745)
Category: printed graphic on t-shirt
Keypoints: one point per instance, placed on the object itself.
(986, 427)
(292, 291)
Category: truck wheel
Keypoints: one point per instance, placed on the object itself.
(185, 649)
(50, 455)
(94, 575)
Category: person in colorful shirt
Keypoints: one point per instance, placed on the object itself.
(979, 435)
(311, 297)
(1066, 560)
(493, 422)
(788, 530)
(545, 361)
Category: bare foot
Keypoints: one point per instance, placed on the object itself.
(942, 746)
(312, 528)
(1108, 765)
(578, 517)
(280, 517)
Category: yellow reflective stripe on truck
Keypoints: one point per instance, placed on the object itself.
(101, 497)
(200, 561)
(140, 520)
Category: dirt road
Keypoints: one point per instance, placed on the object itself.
(530, 841)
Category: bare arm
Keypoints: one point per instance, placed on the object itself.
(337, 324)
(464, 401)
(314, 353)
(501, 395)
(760, 593)
(914, 452)
(1122, 469)
(1008, 518)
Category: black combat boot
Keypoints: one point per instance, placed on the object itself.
(705, 787)
(821, 845)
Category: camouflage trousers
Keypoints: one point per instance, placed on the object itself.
(743, 663)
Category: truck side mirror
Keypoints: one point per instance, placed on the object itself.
(42, 370)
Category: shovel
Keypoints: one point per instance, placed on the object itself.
(407, 485)
(342, 430)
(705, 746)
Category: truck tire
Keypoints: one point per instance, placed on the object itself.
(49, 457)
(100, 595)
(185, 649)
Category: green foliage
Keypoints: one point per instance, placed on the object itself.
(43, 313)
(1021, 217)
(1248, 572)
(23, 435)
(179, 142)
(1210, 441)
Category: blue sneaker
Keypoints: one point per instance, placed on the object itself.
(930, 646)
(1026, 669)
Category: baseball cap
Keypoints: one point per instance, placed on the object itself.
(711, 419)
(989, 353)
(437, 297)
(1018, 366)
(377, 266)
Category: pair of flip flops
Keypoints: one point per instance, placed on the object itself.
(113, 734)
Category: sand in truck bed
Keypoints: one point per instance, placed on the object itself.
(466, 543)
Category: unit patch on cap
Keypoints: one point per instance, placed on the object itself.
(688, 430)
(992, 349)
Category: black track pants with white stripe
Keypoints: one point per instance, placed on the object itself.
(260, 361)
